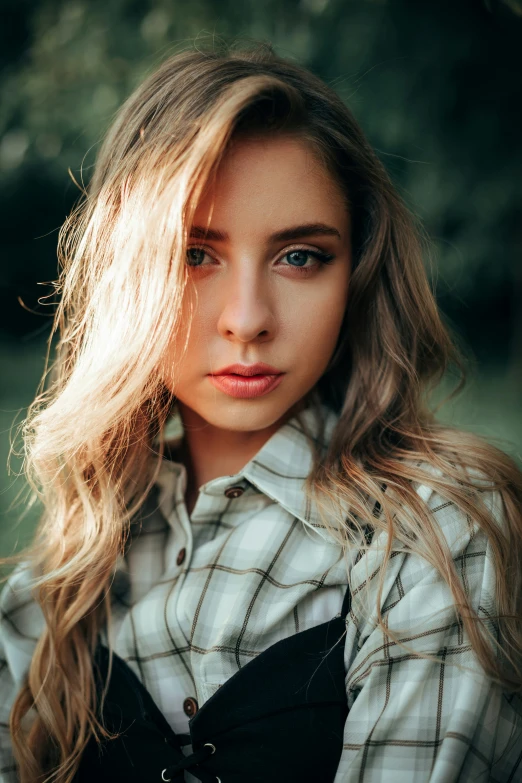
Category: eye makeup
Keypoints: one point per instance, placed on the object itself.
(196, 253)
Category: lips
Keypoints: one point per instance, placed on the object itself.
(248, 369)
(246, 381)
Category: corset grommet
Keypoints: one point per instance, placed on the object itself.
(163, 776)
(210, 745)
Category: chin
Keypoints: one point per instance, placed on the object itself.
(244, 415)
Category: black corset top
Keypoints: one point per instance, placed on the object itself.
(279, 719)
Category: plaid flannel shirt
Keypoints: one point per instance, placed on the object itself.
(194, 599)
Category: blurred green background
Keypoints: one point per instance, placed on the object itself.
(436, 86)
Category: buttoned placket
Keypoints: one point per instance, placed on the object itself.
(213, 499)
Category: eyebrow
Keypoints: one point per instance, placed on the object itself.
(286, 235)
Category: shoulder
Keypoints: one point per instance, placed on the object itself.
(414, 676)
(414, 593)
(21, 622)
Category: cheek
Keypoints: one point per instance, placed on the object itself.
(319, 334)
(312, 324)
(185, 347)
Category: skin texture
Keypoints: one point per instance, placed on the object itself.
(251, 303)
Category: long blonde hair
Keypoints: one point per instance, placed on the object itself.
(88, 436)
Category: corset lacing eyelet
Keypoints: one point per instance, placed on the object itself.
(191, 763)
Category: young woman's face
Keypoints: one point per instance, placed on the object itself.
(268, 284)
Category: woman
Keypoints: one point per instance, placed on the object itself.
(261, 557)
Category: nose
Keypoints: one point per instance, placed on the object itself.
(247, 311)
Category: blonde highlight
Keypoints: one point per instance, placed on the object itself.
(89, 436)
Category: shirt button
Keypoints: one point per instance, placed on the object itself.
(190, 706)
(181, 556)
(234, 492)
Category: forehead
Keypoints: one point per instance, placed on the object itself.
(267, 183)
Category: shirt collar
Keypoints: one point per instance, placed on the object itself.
(279, 469)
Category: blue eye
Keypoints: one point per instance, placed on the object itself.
(195, 256)
(298, 258)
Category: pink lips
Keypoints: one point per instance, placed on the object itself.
(246, 381)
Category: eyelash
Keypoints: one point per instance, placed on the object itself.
(322, 258)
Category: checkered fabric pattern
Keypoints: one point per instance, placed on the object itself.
(195, 599)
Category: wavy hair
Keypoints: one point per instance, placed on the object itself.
(89, 433)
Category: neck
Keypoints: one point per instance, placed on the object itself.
(209, 452)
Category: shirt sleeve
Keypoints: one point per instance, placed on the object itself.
(7, 695)
(413, 719)
(21, 623)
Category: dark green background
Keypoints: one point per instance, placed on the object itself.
(435, 85)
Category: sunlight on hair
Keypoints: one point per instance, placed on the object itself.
(94, 438)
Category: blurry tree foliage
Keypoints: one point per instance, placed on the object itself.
(436, 86)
